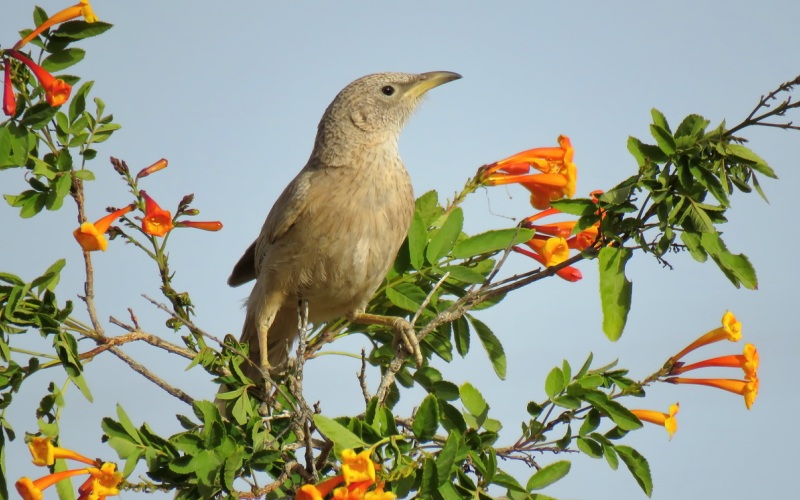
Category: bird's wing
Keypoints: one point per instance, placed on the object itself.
(288, 207)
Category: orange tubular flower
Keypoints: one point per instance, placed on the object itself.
(668, 420)
(319, 491)
(731, 329)
(155, 167)
(357, 467)
(90, 236)
(156, 222)
(568, 273)
(9, 99)
(81, 9)
(102, 482)
(553, 250)
(747, 361)
(214, 225)
(56, 91)
(746, 388)
(32, 490)
(45, 454)
(556, 180)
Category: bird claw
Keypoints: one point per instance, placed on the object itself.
(405, 335)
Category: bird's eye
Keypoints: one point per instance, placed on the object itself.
(387, 90)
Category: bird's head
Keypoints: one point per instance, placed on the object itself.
(372, 111)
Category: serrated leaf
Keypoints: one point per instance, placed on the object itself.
(590, 447)
(447, 457)
(336, 432)
(79, 29)
(577, 206)
(548, 475)
(736, 267)
(492, 345)
(417, 239)
(615, 290)
(461, 335)
(443, 240)
(692, 242)
(38, 115)
(664, 139)
(63, 59)
(426, 419)
(464, 274)
(638, 466)
(473, 401)
(756, 162)
(491, 241)
(406, 296)
(692, 126)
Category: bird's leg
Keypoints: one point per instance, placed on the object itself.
(404, 332)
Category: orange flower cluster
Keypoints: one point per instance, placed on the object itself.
(556, 177)
(155, 221)
(731, 330)
(56, 91)
(554, 180)
(103, 480)
(358, 476)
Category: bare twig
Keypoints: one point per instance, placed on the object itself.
(140, 369)
(135, 335)
(362, 377)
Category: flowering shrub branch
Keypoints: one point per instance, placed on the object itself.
(254, 442)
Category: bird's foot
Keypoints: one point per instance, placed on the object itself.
(407, 337)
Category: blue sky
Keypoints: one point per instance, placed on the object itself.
(231, 95)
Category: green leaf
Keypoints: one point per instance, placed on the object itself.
(443, 240)
(78, 30)
(63, 59)
(447, 457)
(38, 115)
(638, 466)
(464, 274)
(337, 433)
(473, 401)
(664, 139)
(645, 152)
(426, 420)
(461, 335)
(492, 346)
(620, 415)
(577, 206)
(491, 241)
(590, 447)
(548, 475)
(692, 242)
(55, 198)
(756, 162)
(417, 239)
(615, 290)
(693, 125)
(736, 267)
(78, 103)
(659, 119)
(555, 383)
(406, 296)
(84, 175)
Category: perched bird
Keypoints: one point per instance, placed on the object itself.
(335, 230)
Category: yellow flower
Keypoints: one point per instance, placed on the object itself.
(90, 236)
(668, 420)
(357, 467)
(83, 8)
(731, 329)
(379, 494)
(746, 388)
(553, 250)
(45, 454)
(105, 480)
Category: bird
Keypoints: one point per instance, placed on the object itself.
(336, 228)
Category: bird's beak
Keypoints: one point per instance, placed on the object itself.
(430, 80)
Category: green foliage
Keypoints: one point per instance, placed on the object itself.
(265, 432)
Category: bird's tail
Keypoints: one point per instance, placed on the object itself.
(280, 337)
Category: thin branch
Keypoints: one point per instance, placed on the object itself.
(152, 377)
